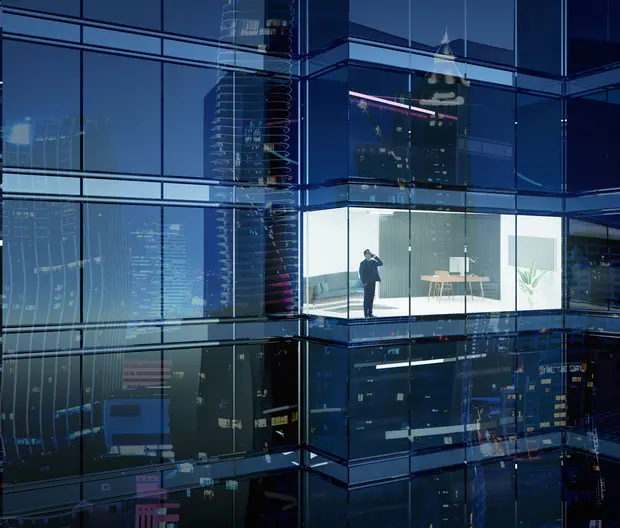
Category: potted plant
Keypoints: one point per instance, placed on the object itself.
(529, 280)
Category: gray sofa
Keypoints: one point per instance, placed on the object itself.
(332, 287)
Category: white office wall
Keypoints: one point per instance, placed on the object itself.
(549, 294)
(325, 248)
(363, 234)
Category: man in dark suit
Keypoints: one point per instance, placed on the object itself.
(369, 275)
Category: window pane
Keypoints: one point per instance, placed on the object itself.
(201, 402)
(122, 114)
(61, 7)
(40, 267)
(539, 143)
(266, 397)
(379, 125)
(190, 103)
(41, 112)
(264, 24)
(491, 30)
(437, 248)
(198, 273)
(488, 149)
(327, 280)
(122, 253)
(127, 12)
(382, 24)
(327, 126)
(539, 35)
(125, 413)
(430, 21)
(40, 418)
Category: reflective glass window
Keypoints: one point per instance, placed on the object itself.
(269, 25)
(41, 112)
(487, 148)
(41, 263)
(327, 131)
(122, 114)
(122, 262)
(328, 22)
(592, 35)
(539, 36)
(440, 110)
(198, 272)
(378, 399)
(126, 410)
(40, 418)
(539, 143)
(190, 100)
(202, 423)
(379, 125)
(266, 397)
(126, 12)
(60, 7)
(327, 427)
(388, 23)
(491, 31)
(431, 21)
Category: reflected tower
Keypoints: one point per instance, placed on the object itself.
(438, 140)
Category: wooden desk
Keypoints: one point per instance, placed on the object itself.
(454, 279)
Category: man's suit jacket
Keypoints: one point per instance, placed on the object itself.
(369, 270)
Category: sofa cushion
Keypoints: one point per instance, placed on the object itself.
(325, 287)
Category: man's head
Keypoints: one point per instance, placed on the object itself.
(367, 254)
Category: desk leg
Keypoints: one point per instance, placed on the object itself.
(430, 287)
(471, 290)
(441, 292)
(482, 291)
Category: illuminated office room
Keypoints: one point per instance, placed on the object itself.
(311, 263)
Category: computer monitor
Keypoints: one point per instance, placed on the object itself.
(459, 265)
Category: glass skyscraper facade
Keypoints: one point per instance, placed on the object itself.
(267, 262)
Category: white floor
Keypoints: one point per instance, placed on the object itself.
(419, 306)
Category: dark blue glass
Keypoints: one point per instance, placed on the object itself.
(189, 101)
(489, 155)
(592, 35)
(266, 397)
(202, 402)
(539, 143)
(40, 419)
(489, 378)
(122, 262)
(41, 112)
(431, 21)
(135, 13)
(539, 381)
(539, 36)
(388, 23)
(328, 22)
(438, 498)
(60, 7)
(593, 128)
(122, 114)
(436, 409)
(327, 132)
(327, 426)
(125, 410)
(491, 31)
(379, 120)
(198, 265)
(539, 490)
(41, 263)
(378, 395)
